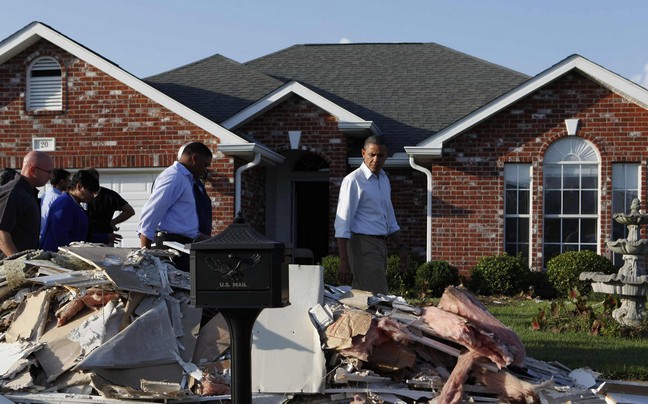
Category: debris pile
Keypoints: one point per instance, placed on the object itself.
(97, 320)
(115, 323)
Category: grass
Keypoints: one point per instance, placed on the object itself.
(618, 358)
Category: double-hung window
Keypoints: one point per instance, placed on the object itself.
(571, 197)
(517, 209)
(625, 187)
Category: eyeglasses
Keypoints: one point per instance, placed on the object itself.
(45, 171)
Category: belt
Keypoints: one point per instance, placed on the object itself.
(174, 237)
(380, 236)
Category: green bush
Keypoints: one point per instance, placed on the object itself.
(499, 274)
(540, 286)
(433, 277)
(399, 283)
(563, 270)
(331, 264)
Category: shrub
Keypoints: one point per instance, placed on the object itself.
(331, 264)
(433, 277)
(563, 270)
(540, 286)
(399, 283)
(499, 274)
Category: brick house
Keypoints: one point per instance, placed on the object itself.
(476, 150)
(541, 169)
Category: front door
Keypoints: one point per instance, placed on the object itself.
(311, 217)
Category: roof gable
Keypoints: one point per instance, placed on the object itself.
(347, 121)
(36, 31)
(433, 146)
(216, 87)
(409, 90)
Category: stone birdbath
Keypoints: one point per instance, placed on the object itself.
(630, 283)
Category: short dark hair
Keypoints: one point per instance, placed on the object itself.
(58, 175)
(86, 180)
(93, 171)
(197, 148)
(378, 140)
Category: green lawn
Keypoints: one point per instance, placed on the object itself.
(614, 358)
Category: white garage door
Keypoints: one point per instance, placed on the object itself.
(135, 187)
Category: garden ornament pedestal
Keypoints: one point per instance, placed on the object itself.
(631, 281)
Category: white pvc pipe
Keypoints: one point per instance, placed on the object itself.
(428, 174)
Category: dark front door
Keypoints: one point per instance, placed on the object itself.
(311, 217)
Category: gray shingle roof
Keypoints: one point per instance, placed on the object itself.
(216, 87)
(410, 90)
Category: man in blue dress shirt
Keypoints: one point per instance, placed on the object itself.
(60, 182)
(171, 209)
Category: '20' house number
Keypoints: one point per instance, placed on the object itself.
(44, 143)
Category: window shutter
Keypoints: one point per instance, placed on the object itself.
(45, 86)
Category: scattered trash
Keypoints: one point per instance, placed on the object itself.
(93, 322)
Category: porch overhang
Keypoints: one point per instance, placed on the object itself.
(359, 129)
(398, 160)
(424, 155)
(248, 152)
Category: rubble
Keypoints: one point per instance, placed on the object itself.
(96, 323)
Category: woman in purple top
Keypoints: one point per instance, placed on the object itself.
(67, 221)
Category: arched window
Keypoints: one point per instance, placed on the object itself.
(44, 85)
(571, 197)
(311, 162)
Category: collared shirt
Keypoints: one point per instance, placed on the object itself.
(66, 222)
(172, 206)
(20, 213)
(364, 205)
(47, 200)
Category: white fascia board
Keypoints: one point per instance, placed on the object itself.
(598, 73)
(398, 160)
(31, 34)
(359, 127)
(277, 96)
(416, 151)
(249, 150)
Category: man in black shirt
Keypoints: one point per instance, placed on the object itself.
(101, 211)
(19, 205)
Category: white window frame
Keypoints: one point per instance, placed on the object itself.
(519, 168)
(564, 153)
(622, 183)
(44, 92)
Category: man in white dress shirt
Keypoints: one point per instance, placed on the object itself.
(364, 221)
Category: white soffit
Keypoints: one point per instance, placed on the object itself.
(344, 117)
(36, 30)
(615, 83)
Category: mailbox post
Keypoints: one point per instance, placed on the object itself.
(240, 272)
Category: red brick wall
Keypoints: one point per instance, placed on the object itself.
(104, 124)
(253, 197)
(468, 181)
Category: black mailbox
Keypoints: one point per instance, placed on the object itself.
(238, 268)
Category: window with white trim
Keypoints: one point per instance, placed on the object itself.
(44, 85)
(517, 209)
(571, 197)
(625, 187)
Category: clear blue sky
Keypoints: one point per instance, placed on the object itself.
(146, 37)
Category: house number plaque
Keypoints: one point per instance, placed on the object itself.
(44, 143)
